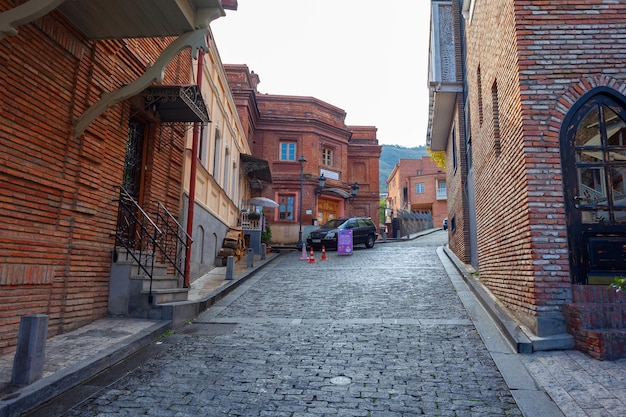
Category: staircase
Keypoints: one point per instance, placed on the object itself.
(132, 293)
(597, 320)
(146, 268)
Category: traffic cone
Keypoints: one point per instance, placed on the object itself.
(312, 256)
(323, 253)
(304, 257)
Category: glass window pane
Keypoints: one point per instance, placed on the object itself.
(592, 189)
(596, 215)
(615, 128)
(589, 156)
(588, 133)
(619, 186)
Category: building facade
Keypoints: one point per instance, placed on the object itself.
(303, 139)
(535, 151)
(224, 170)
(94, 119)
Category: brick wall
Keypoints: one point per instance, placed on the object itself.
(57, 192)
(535, 55)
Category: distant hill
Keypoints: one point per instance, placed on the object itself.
(390, 156)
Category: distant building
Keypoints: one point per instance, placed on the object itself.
(282, 129)
(418, 185)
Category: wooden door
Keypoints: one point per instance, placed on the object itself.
(327, 210)
(593, 152)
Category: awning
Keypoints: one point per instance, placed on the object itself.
(256, 168)
(176, 103)
(338, 191)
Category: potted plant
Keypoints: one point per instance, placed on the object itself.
(266, 237)
(253, 215)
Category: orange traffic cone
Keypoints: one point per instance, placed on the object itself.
(312, 256)
(304, 257)
(323, 253)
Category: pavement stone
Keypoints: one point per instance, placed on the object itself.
(391, 331)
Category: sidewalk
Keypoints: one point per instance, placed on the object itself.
(76, 356)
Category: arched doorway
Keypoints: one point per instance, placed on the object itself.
(593, 156)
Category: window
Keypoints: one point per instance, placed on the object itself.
(327, 157)
(217, 152)
(203, 151)
(441, 186)
(419, 188)
(286, 206)
(287, 151)
(419, 172)
(479, 85)
(496, 117)
(454, 150)
(227, 169)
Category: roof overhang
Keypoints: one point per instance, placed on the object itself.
(176, 103)
(443, 99)
(116, 19)
(256, 168)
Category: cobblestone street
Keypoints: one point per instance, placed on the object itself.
(380, 333)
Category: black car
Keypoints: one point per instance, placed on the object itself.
(363, 232)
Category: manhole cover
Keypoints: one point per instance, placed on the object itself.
(340, 380)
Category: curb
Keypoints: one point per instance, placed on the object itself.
(509, 328)
(45, 389)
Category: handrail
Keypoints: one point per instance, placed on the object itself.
(173, 240)
(137, 234)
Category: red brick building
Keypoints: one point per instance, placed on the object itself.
(282, 129)
(535, 154)
(80, 119)
(418, 185)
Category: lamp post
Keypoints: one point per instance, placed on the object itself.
(302, 161)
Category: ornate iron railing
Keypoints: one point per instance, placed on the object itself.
(172, 241)
(137, 234)
(147, 242)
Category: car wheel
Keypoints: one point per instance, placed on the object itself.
(369, 243)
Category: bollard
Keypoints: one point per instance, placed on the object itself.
(383, 234)
(250, 257)
(263, 251)
(31, 350)
(230, 267)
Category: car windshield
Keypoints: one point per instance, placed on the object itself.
(334, 223)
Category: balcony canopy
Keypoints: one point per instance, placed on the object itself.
(176, 103)
(256, 168)
(116, 19)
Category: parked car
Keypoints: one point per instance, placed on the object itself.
(445, 224)
(363, 232)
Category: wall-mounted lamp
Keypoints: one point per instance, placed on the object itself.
(354, 189)
(321, 182)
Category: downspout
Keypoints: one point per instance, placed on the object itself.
(192, 175)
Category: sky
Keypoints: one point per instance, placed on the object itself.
(367, 57)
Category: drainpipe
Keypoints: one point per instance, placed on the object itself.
(192, 175)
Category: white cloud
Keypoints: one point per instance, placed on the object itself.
(366, 57)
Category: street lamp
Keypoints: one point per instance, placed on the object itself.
(302, 161)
